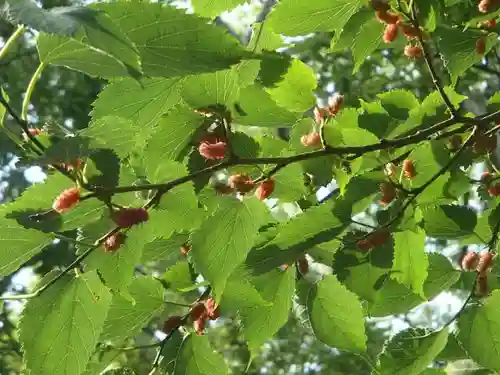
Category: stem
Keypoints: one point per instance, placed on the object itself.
(10, 42)
(30, 89)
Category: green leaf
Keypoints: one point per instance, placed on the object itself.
(358, 137)
(429, 159)
(296, 17)
(172, 135)
(261, 322)
(261, 110)
(336, 315)
(144, 104)
(178, 277)
(63, 51)
(458, 49)
(223, 240)
(211, 8)
(82, 214)
(411, 351)
(166, 251)
(289, 183)
(20, 245)
(170, 351)
(207, 89)
(363, 279)
(196, 357)
(126, 318)
(60, 328)
(172, 43)
(398, 103)
(361, 35)
(479, 327)
(393, 298)
(441, 275)
(295, 91)
(410, 260)
(447, 221)
(111, 132)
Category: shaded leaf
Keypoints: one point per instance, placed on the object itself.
(447, 221)
(197, 357)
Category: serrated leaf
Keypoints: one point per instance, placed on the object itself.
(336, 315)
(289, 183)
(363, 279)
(196, 357)
(63, 51)
(144, 104)
(170, 350)
(203, 90)
(295, 91)
(296, 17)
(441, 275)
(82, 214)
(211, 8)
(358, 137)
(398, 103)
(428, 160)
(172, 43)
(223, 240)
(60, 328)
(178, 276)
(410, 260)
(111, 132)
(126, 318)
(172, 135)
(447, 221)
(479, 327)
(260, 110)
(411, 351)
(20, 245)
(392, 299)
(166, 251)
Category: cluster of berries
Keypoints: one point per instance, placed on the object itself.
(199, 314)
(481, 263)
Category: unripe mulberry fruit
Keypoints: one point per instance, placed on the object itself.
(364, 244)
(172, 323)
(484, 6)
(486, 177)
(482, 285)
(484, 143)
(480, 46)
(127, 217)
(113, 242)
(265, 189)
(199, 326)
(34, 131)
(494, 190)
(469, 261)
(489, 24)
(379, 237)
(412, 51)
(320, 114)
(185, 249)
(409, 31)
(213, 149)
(223, 189)
(303, 265)
(380, 5)
(409, 169)
(455, 142)
(311, 139)
(390, 33)
(242, 183)
(213, 309)
(197, 311)
(334, 104)
(66, 200)
(387, 17)
(388, 193)
(484, 263)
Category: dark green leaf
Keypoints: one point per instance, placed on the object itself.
(393, 298)
(441, 275)
(448, 221)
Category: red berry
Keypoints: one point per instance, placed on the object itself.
(334, 104)
(223, 189)
(489, 24)
(311, 139)
(482, 285)
(480, 46)
(66, 200)
(197, 311)
(265, 189)
(409, 169)
(199, 326)
(390, 33)
(409, 31)
(320, 114)
(388, 193)
(379, 237)
(241, 182)
(387, 17)
(172, 323)
(212, 309)
(469, 261)
(484, 6)
(114, 242)
(494, 190)
(484, 143)
(486, 177)
(379, 5)
(127, 217)
(212, 149)
(34, 131)
(484, 263)
(185, 249)
(412, 51)
(303, 265)
(364, 244)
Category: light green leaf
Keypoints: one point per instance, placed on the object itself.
(19, 244)
(261, 110)
(202, 90)
(223, 240)
(410, 260)
(63, 51)
(479, 328)
(289, 183)
(196, 357)
(336, 315)
(126, 318)
(393, 298)
(178, 277)
(429, 158)
(447, 221)
(441, 275)
(296, 17)
(211, 8)
(82, 214)
(60, 328)
(398, 103)
(358, 137)
(411, 351)
(295, 91)
(172, 43)
(166, 251)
